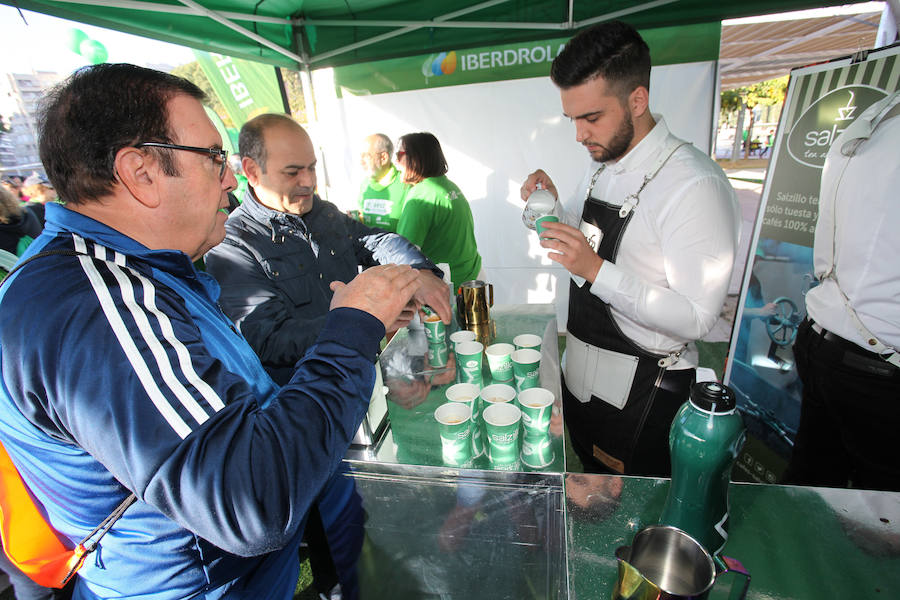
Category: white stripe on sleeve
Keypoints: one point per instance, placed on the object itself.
(184, 357)
(128, 346)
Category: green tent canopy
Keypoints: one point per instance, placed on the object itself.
(328, 33)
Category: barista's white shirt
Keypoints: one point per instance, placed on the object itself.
(866, 242)
(669, 281)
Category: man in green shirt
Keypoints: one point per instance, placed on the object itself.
(381, 195)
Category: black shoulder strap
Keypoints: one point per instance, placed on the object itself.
(60, 252)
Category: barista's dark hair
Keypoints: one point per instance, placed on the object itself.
(251, 139)
(614, 51)
(85, 120)
(424, 157)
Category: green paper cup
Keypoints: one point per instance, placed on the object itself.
(515, 465)
(435, 331)
(469, 356)
(455, 419)
(499, 361)
(497, 393)
(527, 340)
(537, 405)
(537, 450)
(463, 335)
(539, 222)
(467, 393)
(457, 337)
(526, 368)
(437, 355)
(501, 424)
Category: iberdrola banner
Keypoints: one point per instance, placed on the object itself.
(822, 100)
(245, 88)
(511, 61)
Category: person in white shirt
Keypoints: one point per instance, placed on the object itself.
(847, 349)
(650, 249)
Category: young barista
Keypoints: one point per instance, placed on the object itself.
(649, 246)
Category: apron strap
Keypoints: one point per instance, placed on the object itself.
(632, 200)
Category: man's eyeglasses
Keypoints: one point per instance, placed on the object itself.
(218, 155)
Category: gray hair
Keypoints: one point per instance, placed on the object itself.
(383, 144)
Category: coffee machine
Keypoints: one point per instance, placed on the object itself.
(473, 302)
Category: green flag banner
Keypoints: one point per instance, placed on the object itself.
(668, 45)
(245, 88)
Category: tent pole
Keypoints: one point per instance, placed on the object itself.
(301, 48)
(622, 13)
(716, 109)
(202, 10)
(385, 36)
(309, 98)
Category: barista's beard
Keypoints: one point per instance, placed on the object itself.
(618, 145)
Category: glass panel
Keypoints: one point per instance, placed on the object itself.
(437, 533)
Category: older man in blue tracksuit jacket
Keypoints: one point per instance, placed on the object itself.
(120, 373)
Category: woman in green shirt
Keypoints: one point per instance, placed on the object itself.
(436, 216)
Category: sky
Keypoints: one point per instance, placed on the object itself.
(41, 45)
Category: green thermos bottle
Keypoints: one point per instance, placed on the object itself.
(705, 438)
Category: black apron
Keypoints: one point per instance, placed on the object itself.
(634, 439)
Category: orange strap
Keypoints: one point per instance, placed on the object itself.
(28, 540)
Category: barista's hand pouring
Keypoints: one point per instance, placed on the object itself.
(570, 247)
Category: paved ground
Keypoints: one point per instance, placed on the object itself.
(746, 177)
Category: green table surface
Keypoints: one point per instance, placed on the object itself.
(416, 390)
(796, 542)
